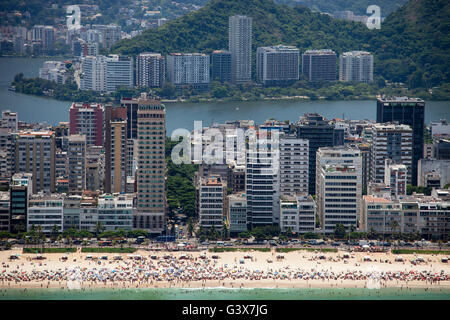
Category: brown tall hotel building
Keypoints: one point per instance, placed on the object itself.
(151, 200)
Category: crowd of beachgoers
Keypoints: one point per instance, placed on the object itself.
(136, 270)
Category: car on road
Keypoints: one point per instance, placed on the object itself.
(336, 244)
(205, 243)
(272, 243)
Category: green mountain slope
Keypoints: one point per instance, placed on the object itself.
(358, 7)
(207, 29)
(412, 45)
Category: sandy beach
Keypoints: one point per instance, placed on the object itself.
(150, 269)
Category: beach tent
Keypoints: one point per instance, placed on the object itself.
(366, 246)
(367, 258)
(88, 257)
(399, 259)
(117, 257)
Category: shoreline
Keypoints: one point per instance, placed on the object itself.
(255, 284)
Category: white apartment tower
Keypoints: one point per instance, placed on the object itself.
(297, 213)
(262, 183)
(396, 178)
(338, 187)
(188, 68)
(294, 165)
(240, 46)
(100, 73)
(356, 66)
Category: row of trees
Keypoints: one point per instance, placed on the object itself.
(36, 234)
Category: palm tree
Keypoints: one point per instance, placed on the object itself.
(55, 231)
(40, 236)
(394, 225)
(190, 227)
(99, 228)
(371, 232)
(20, 227)
(225, 232)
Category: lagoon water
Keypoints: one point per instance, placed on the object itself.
(227, 294)
(182, 115)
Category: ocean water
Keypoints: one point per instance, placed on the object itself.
(227, 294)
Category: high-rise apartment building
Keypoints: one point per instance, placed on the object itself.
(356, 66)
(119, 72)
(150, 70)
(100, 73)
(240, 46)
(188, 69)
(87, 119)
(18, 207)
(115, 148)
(151, 200)
(35, 154)
(9, 120)
(297, 213)
(46, 211)
(262, 180)
(211, 203)
(396, 178)
(93, 77)
(131, 106)
(76, 155)
(390, 141)
(277, 65)
(319, 65)
(109, 34)
(118, 156)
(338, 187)
(317, 130)
(408, 111)
(44, 35)
(237, 213)
(221, 66)
(5, 215)
(294, 166)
